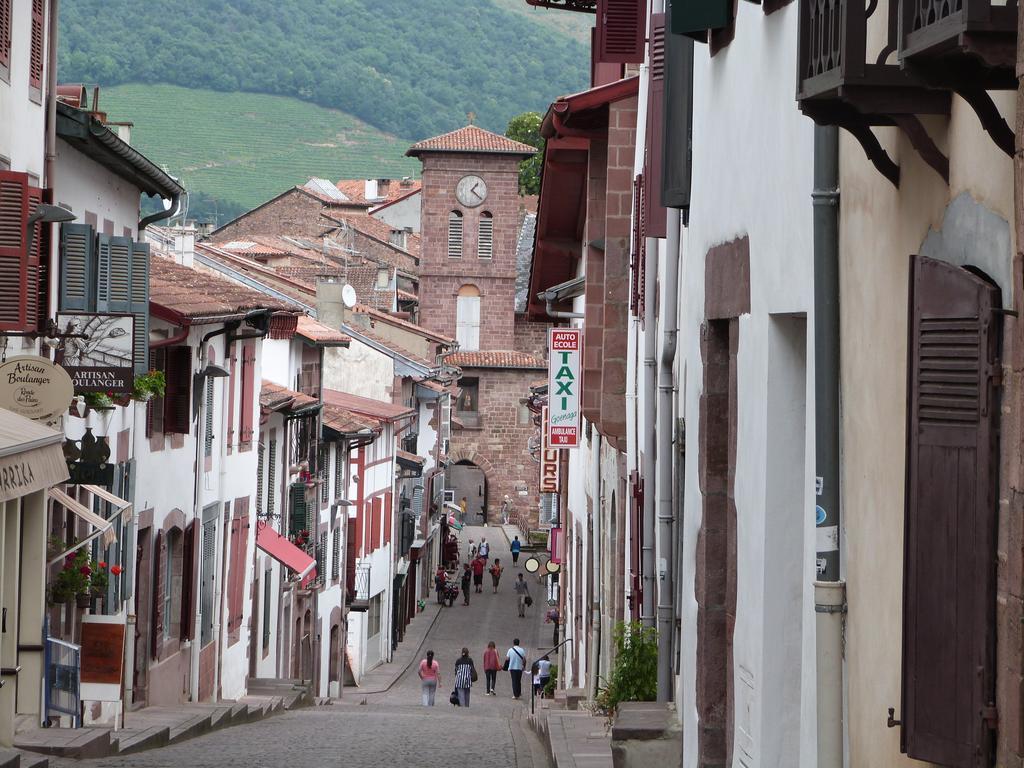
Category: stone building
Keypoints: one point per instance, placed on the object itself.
(472, 215)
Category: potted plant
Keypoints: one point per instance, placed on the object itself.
(151, 384)
(100, 401)
(99, 580)
(73, 579)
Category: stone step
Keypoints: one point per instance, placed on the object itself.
(194, 726)
(65, 742)
(10, 758)
(146, 738)
(30, 760)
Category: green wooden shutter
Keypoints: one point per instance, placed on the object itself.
(114, 274)
(298, 518)
(678, 122)
(696, 17)
(139, 304)
(77, 268)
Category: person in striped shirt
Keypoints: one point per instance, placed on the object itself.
(465, 676)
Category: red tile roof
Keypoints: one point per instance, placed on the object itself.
(368, 334)
(321, 334)
(496, 360)
(362, 278)
(345, 422)
(274, 397)
(471, 138)
(410, 457)
(378, 230)
(388, 190)
(195, 295)
(384, 317)
(366, 406)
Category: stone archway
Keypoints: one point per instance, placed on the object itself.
(466, 479)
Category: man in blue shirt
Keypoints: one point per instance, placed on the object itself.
(515, 663)
(516, 546)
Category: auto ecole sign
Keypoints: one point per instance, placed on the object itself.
(565, 351)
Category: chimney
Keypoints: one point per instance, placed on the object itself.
(330, 309)
(370, 191)
(184, 245)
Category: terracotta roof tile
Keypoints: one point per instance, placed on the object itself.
(471, 138)
(195, 294)
(274, 397)
(496, 360)
(410, 457)
(366, 406)
(345, 422)
(388, 190)
(361, 309)
(379, 230)
(318, 333)
(360, 332)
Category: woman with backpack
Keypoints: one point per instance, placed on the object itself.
(430, 676)
(465, 676)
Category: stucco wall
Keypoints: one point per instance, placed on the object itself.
(23, 127)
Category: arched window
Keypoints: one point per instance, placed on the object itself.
(467, 318)
(485, 236)
(455, 235)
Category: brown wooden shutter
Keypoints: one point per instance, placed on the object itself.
(231, 384)
(248, 392)
(351, 551)
(43, 252)
(5, 33)
(236, 580)
(14, 205)
(35, 66)
(951, 504)
(655, 215)
(188, 576)
(157, 625)
(33, 263)
(637, 237)
(177, 395)
(601, 72)
(621, 25)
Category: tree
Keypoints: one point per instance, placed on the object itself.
(526, 128)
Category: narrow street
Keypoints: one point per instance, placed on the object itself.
(392, 728)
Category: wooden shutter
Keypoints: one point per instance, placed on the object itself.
(272, 479)
(14, 206)
(177, 396)
(138, 297)
(157, 624)
(351, 536)
(231, 384)
(77, 268)
(34, 289)
(655, 215)
(260, 469)
(696, 17)
(239, 559)
(35, 67)
(620, 30)
(485, 236)
(188, 575)
(297, 507)
(5, 33)
(248, 392)
(114, 274)
(949, 597)
(336, 553)
(677, 123)
(601, 72)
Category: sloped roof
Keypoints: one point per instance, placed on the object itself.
(361, 309)
(379, 230)
(345, 422)
(366, 406)
(524, 260)
(326, 191)
(362, 278)
(369, 336)
(388, 190)
(274, 397)
(492, 359)
(194, 295)
(471, 138)
(320, 334)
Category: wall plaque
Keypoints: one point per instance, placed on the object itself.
(34, 387)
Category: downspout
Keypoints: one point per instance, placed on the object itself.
(665, 437)
(160, 215)
(595, 556)
(50, 152)
(650, 446)
(829, 589)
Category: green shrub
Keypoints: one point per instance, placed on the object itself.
(549, 689)
(634, 675)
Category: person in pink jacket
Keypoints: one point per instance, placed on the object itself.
(491, 668)
(430, 674)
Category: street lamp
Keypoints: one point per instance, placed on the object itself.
(46, 214)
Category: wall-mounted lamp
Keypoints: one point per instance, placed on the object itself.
(46, 214)
(214, 371)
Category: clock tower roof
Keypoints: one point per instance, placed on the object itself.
(474, 139)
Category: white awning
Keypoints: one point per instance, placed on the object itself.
(31, 458)
(104, 527)
(123, 507)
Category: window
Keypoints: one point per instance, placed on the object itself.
(455, 235)
(322, 458)
(260, 468)
(621, 26)
(208, 438)
(485, 236)
(336, 553)
(35, 67)
(467, 407)
(339, 492)
(208, 573)
(177, 416)
(373, 616)
(5, 37)
(271, 478)
(20, 273)
(155, 407)
(655, 216)
(248, 395)
(321, 557)
(266, 610)
(467, 318)
(169, 586)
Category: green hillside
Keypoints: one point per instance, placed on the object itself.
(411, 68)
(571, 23)
(240, 149)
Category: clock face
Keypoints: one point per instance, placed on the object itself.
(471, 191)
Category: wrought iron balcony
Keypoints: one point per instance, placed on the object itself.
(841, 82)
(357, 593)
(967, 46)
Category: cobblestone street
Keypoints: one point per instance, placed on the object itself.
(392, 729)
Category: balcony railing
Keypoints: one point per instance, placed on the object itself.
(357, 594)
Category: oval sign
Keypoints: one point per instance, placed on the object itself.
(34, 387)
(532, 564)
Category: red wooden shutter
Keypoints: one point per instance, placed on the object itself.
(14, 206)
(375, 525)
(248, 394)
(387, 511)
(949, 587)
(33, 264)
(231, 384)
(35, 66)
(236, 581)
(620, 30)
(634, 283)
(5, 33)
(601, 72)
(188, 575)
(157, 624)
(177, 395)
(655, 217)
(351, 539)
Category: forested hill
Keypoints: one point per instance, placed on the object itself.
(412, 68)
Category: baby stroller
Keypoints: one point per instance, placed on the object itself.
(451, 589)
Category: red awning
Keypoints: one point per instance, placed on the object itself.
(286, 553)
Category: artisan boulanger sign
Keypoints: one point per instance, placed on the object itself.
(565, 350)
(103, 360)
(34, 387)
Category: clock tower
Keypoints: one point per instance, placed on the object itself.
(470, 219)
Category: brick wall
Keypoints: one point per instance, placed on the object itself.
(594, 297)
(441, 276)
(531, 337)
(292, 213)
(499, 446)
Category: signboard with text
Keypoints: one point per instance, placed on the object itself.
(565, 353)
(548, 462)
(103, 362)
(33, 387)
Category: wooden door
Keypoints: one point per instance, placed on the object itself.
(951, 504)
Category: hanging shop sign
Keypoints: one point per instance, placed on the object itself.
(34, 387)
(548, 463)
(104, 361)
(565, 351)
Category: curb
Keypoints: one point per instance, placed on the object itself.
(403, 670)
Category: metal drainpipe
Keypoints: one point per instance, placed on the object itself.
(50, 153)
(595, 556)
(829, 589)
(648, 563)
(665, 458)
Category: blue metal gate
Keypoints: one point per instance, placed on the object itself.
(63, 686)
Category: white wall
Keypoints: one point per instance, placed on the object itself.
(85, 185)
(24, 120)
(359, 370)
(404, 213)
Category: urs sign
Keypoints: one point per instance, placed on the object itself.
(565, 351)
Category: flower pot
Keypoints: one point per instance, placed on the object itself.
(143, 397)
(83, 599)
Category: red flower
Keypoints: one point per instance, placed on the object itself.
(102, 564)
(116, 570)
(85, 570)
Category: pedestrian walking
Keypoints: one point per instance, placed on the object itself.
(439, 584)
(463, 505)
(543, 674)
(506, 509)
(515, 663)
(496, 570)
(484, 550)
(522, 593)
(465, 676)
(517, 545)
(491, 668)
(430, 677)
(478, 566)
(467, 577)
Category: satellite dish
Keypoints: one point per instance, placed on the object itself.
(348, 296)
